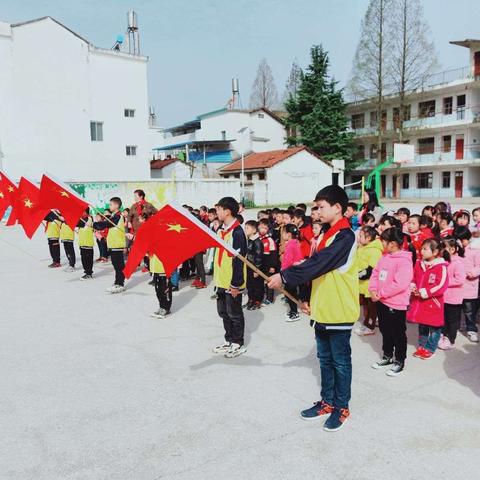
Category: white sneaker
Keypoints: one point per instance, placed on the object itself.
(364, 331)
(115, 289)
(235, 350)
(293, 317)
(473, 336)
(223, 348)
(69, 269)
(161, 313)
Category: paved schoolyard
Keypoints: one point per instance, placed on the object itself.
(93, 388)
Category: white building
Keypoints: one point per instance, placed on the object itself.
(291, 175)
(214, 139)
(443, 123)
(70, 108)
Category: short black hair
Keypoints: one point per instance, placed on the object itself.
(117, 200)
(370, 232)
(299, 213)
(292, 229)
(352, 205)
(264, 221)
(212, 210)
(303, 206)
(404, 210)
(392, 235)
(463, 233)
(239, 218)
(229, 203)
(333, 194)
(252, 223)
(394, 222)
(140, 193)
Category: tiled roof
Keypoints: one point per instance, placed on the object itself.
(262, 160)
(159, 164)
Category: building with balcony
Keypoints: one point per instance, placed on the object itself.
(215, 139)
(442, 121)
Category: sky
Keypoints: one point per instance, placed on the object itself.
(195, 47)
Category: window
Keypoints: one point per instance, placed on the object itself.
(373, 150)
(131, 150)
(96, 131)
(396, 115)
(426, 145)
(424, 179)
(426, 109)
(384, 152)
(405, 181)
(373, 119)
(445, 179)
(261, 115)
(446, 143)
(447, 105)
(249, 176)
(357, 180)
(360, 153)
(129, 112)
(384, 120)
(461, 99)
(236, 175)
(224, 134)
(261, 176)
(358, 121)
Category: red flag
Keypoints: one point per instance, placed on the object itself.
(56, 196)
(8, 193)
(27, 207)
(173, 235)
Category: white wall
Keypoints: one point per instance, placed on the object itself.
(59, 84)
(297, 179)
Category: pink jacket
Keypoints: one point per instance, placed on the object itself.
(391, 279)
(431, 280)
(472, 269)
(292, 254)
(456, 278)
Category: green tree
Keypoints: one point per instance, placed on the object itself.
(316, 116)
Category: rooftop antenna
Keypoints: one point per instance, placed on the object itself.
(118, 43)
(132, 33)
(151, 116)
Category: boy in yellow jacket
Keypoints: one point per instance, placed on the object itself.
(332, 305)
(53, 236)
(67, 237)
(86, 240)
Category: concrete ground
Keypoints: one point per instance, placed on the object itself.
(93, 388)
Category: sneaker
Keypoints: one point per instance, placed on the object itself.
(69, 269)
(99, 259)
(427, 354)
(160, 313)
(384, 362)
(55, 265)
(364, 331)
(318, 410)
(195, 283)
(256, 306)
(267, 302)
(213, 297)
(151, 282)
(293, 317)
(175, 289)
(235, 350)
(223, 348)
(116, 289)
(336, 420)
(104, 260)
(473, 336)
(86, 277)
(144, 270)
(419, 352)
(397, 369)
(200, 285)
(444, 343)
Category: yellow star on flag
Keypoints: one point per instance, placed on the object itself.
(10, 189)
(1, 195)
(28, 203)
(176, 228)
(63, 193)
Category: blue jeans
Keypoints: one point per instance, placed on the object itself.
(335, 355)
(174, 278)
(428, 337)
(470, 309)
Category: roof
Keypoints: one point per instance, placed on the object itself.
(192, 143)
(469, 43)
(263, 160)
(159, 164)
(21, 24)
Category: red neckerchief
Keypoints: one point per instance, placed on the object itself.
(343, 223)
(223, 234)
(139, 206)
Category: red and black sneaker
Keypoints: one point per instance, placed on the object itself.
(55, 265)
(337, 419)
(319, 410)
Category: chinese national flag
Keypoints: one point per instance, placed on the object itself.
(8, 192)
(56, 196)
(173, 235)
(27, 207)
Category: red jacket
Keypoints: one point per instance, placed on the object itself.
(306, 235)
(418, 238)
(431, 280)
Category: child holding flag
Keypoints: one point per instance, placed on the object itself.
(86, 241)
(53, 236)
(66, 237)
(229, 277)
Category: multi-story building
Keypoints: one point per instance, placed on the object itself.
(442, 121)
(69, 108)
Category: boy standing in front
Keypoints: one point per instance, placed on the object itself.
(332, 306)
(230, 278)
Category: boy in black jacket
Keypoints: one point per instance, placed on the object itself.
(254, 255)
(270, 259)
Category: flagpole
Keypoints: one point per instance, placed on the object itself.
(266, 277)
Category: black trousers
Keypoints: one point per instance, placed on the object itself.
(269, 292)
(102, 248)
(453, 314)
(255, 287)
(54, 247)
(118, 263)
(163, 289)
(86, 255)
(70, 252)
(200, 267)
(293, 291)
(230, 310)
(393, 326)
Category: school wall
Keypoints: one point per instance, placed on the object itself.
(194, 192)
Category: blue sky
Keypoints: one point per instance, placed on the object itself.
(197, 46)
